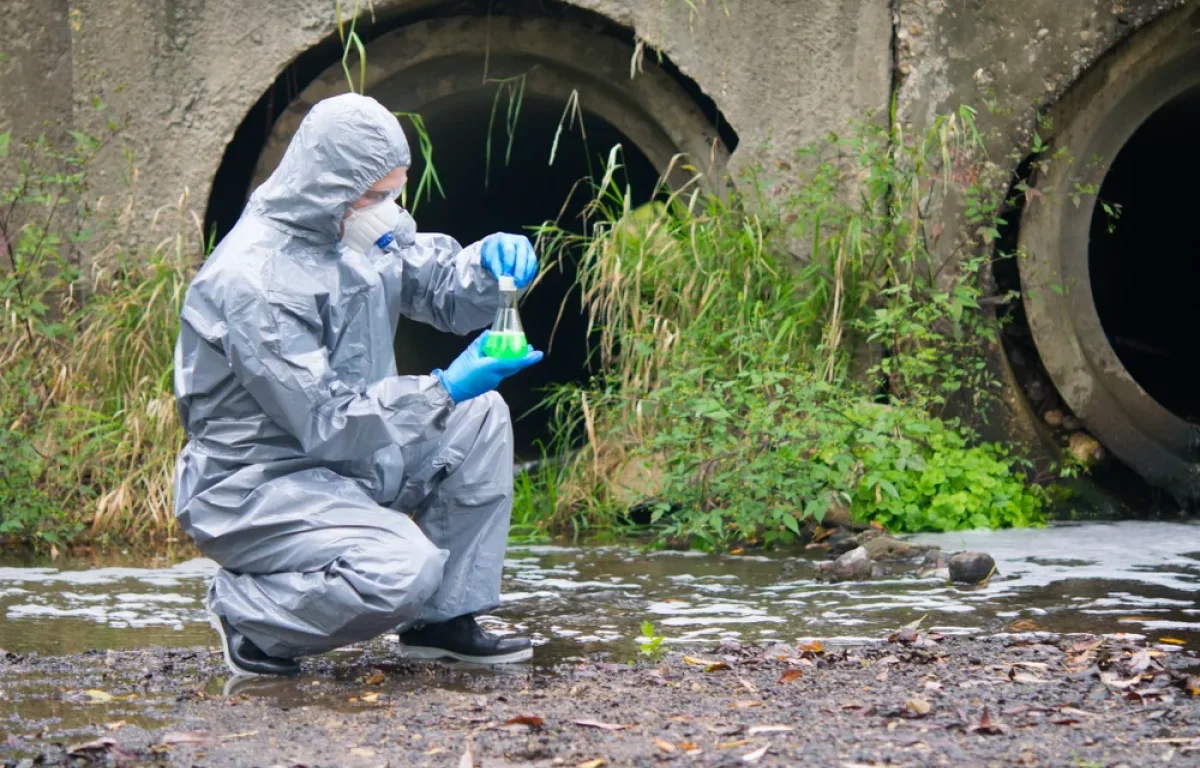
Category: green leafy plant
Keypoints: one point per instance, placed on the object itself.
(769, 362)
(651, 642)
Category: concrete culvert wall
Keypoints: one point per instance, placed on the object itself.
(1108, 296)
(567, 88)
(214, 89)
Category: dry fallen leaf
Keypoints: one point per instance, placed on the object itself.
(664, 745)
(688, 746)
(601, 726)
(99, 745)
(919, 705)
(1023, 625)
(790, 675)
(97, 697)
(816, 646)
(372, 697)
(698, 662)
(363, 752)
(190, 737)
(599, 761)
(756, 729)
(530, 721)
(1113, 681)
(1172, 641)
(115, 726)
(749, 686)
(1140, 662)
(733, 744)
(756, 755)
(242, 735)
(987, 725)
(745, 704)
(375, 679)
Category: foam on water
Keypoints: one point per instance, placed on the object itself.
(1097, 577)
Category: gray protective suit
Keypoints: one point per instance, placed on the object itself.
(340, 499)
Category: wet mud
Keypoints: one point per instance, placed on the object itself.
(917, 699)
(742, 682)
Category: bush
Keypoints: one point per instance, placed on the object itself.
(748, 459)
(768, 361)
(88, 431)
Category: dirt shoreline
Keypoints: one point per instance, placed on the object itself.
(917, 700)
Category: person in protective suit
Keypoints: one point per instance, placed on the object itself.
(340, 499)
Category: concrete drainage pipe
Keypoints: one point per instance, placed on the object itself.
(1110, 295)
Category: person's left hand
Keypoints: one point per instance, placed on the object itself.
(512, 255)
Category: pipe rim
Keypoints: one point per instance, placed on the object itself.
(1106, 108)
(650, 106)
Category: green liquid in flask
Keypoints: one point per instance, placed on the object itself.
(505, 345)
(506, 341)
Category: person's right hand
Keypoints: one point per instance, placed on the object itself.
(474, 373)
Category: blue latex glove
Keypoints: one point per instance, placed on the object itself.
(474, 373)
(513, 255)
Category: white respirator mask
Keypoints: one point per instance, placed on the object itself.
(371, 226)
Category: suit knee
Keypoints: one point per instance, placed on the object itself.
(416, 575)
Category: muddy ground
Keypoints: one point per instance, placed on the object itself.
(917, 700)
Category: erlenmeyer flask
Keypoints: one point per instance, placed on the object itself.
(507, 338)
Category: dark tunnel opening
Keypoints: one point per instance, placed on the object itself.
(1144, 263)
(233, 179)
(522, 193)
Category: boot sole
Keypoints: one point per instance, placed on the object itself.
(214, 621)
(422, 653)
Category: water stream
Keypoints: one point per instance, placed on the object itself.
(1136, 577)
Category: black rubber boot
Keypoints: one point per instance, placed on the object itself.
(244, 657)
(462, 639)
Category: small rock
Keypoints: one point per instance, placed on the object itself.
(1053, 418)
(1086, 448)
(1036, 392)
(837, 516)
(971, 567)
(841, 542)
(855, 565)
(870, 533)
(887, 548)
(1071, 424)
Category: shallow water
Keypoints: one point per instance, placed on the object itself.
(1138, 577)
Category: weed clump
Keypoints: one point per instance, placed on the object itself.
(768, 359)
(88, 429)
